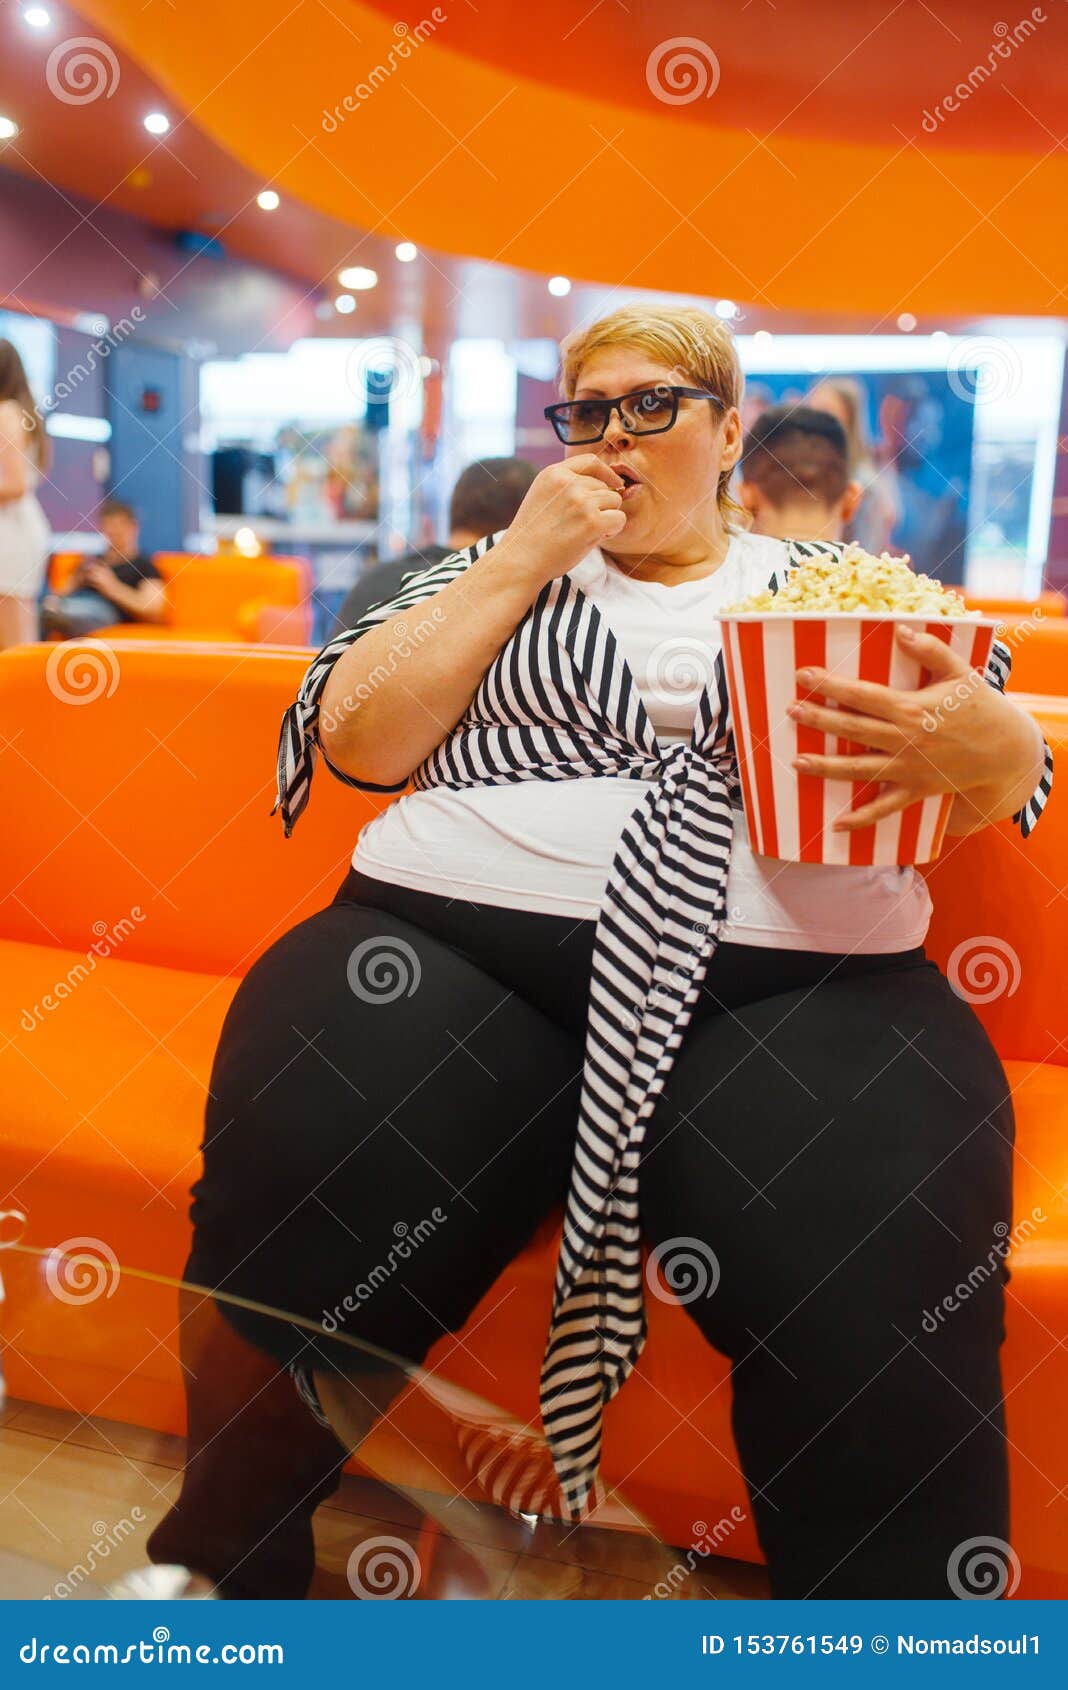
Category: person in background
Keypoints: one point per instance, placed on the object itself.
(485, 499)
(24, 537)
(121, 585)
(794, 478)
(877, 514)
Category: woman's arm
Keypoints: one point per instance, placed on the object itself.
(397, 691)
(1025, 757)
(14, 467)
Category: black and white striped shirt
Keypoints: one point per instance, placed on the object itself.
(559, 703)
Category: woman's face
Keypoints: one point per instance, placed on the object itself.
(673, 502)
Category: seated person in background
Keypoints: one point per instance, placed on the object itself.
(121, 585)
(485, 499)
(795, 475)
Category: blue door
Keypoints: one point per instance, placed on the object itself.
(151, 404)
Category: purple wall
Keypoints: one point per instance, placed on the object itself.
(53, 262)
(60, 256)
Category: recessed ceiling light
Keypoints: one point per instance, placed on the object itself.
(939, 334)
(906, 322)
(345, 304)
(406, 251)
(358, 276)
(36, 16)
(763, 337)
(559, 285)
(268, 200)
(8, 129)
(157, 123)
(726, 308)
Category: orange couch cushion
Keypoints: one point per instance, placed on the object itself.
(208, 597)
(143, 804)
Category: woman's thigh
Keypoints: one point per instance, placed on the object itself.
(386, 1126)
(842, 1159)
(860, 1132)
(18, 621)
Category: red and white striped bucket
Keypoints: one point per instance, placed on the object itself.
(789, 814)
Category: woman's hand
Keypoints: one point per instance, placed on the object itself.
(569, 508)
(958, 734)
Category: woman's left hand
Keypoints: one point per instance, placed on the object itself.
(957, 734)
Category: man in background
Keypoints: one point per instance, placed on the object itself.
(121, 585)
(484, 500)
(794, 473)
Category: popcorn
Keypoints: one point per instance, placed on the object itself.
(856, 582)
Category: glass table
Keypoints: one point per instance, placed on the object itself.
(148, 1448)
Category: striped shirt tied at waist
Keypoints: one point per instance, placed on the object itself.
(558, 702)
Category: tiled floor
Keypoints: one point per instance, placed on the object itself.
(79, 1498)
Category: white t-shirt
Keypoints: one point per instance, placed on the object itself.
(548, 846)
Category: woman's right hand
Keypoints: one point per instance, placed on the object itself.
(569, 508)
(381, 713)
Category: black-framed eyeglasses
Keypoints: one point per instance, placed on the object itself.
(648, 410)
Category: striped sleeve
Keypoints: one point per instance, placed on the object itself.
(298, 742)
(998, 668)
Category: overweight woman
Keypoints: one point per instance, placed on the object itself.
(556, 974)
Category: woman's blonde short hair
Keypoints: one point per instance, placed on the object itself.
(687, 340)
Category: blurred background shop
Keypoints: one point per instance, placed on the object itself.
(257, 376)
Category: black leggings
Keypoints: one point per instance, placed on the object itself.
(837, 1130)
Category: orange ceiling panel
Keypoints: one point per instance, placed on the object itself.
(858, 70)
(524, 154)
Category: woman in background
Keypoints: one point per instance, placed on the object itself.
(24, 535)
(877, 514)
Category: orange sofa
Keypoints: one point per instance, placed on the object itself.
(219, 598)
(1039, 654)
(142, 777)
(1049, 603)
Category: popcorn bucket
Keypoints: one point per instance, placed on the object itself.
(789, 814)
